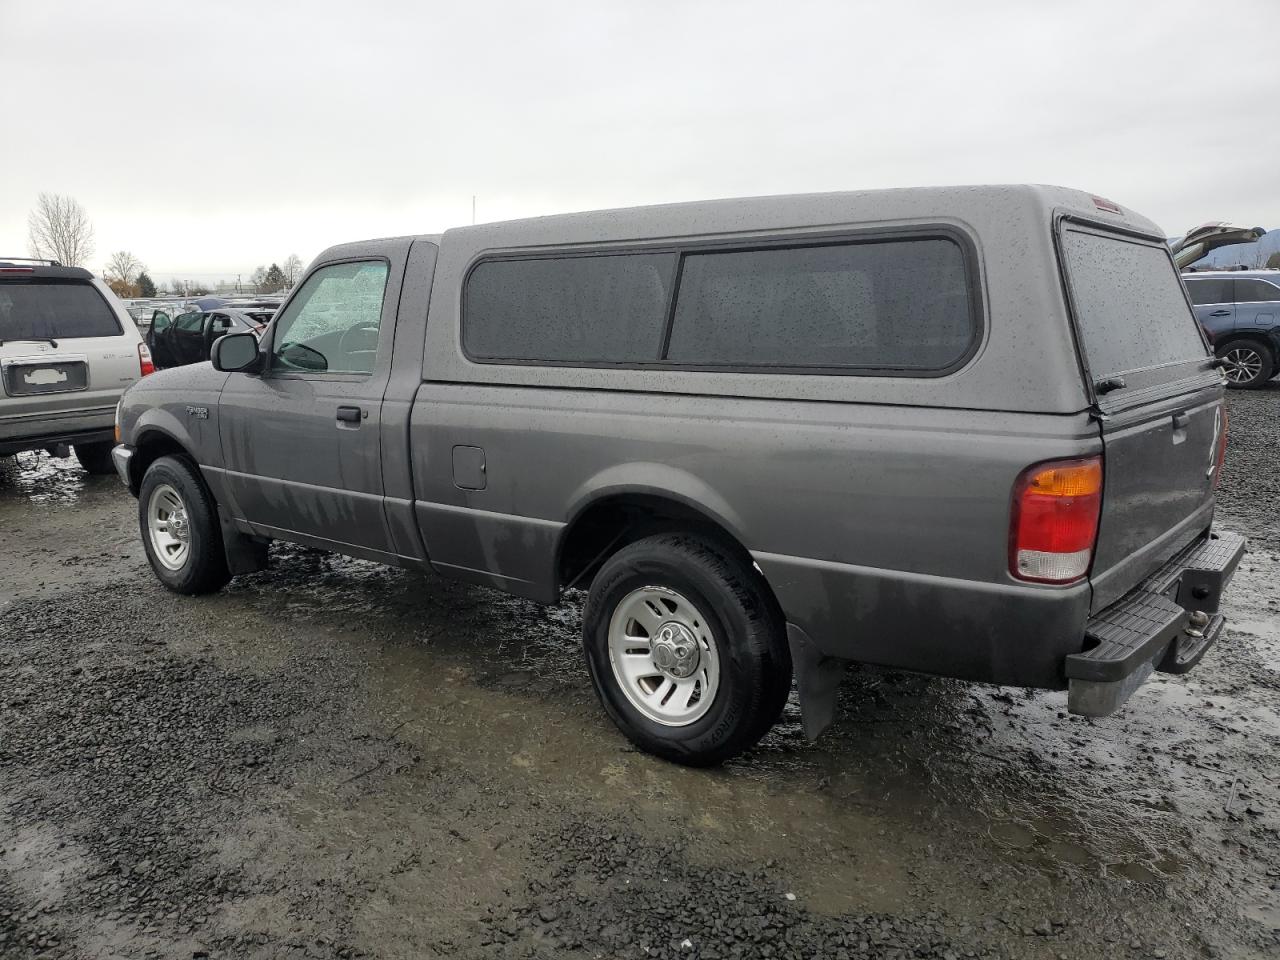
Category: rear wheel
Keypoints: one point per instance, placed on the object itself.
(95, 457)
(179, 525)
(1249, 363)
(686, 648)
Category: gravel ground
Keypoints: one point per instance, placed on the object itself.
(333, 759)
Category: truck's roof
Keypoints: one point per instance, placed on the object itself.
(991, 204)
(790, 210)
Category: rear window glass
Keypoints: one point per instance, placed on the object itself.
(609, 309)
(63, 310)
(1130, 310)
(901, 305)
(1213, 290)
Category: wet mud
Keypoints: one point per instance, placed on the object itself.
(336, 759)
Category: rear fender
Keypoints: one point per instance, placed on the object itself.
(659, 480)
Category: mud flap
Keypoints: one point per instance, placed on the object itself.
(817, 679)
(245, 553)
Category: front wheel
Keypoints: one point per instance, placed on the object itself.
(179, 525)
(1249, 363)
(686, 648)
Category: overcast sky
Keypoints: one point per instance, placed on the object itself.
(210, 138)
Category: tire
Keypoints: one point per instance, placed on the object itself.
(1250, 363)
(709, 601)
(174, 504)
(95, 457)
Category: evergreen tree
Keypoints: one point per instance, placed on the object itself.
(274, 280)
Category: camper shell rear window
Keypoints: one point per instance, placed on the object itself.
(1130, 309)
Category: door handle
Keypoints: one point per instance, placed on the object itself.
(1220, 313)
(349, 414)
(1180, 420)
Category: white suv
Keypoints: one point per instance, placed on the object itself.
(68, 351)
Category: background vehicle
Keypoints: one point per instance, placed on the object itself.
(187, 337)
(966, 431)
(1240, 311)
(68, 351)
(1202, 240)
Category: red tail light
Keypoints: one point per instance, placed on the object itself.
(144, 360)
(1054, 526)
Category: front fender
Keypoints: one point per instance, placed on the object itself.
(158, 422)
(184, 415)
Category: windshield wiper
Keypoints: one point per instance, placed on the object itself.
(49, 340)
(1110, 383)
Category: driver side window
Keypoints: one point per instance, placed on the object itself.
(332, 325)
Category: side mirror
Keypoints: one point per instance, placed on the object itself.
(235, 353)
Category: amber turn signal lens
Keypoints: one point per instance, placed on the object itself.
(1077, 479)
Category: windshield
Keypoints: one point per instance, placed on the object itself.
(61, 310)
(1130, 308)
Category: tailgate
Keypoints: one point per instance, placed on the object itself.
(1157, 488)
(1159, 402)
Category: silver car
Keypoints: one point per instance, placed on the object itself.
(68, 351)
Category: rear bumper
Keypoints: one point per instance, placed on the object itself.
(37, 431)
(45, 440)
(1167, 623)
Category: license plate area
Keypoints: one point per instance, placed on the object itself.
(30, 378)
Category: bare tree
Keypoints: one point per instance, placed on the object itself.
(124, 266)
(59, 229)
(259, 279)
(292, 270)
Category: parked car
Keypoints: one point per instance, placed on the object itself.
(1240, 311)
(967, 431)
(68, 351)
(187, 337)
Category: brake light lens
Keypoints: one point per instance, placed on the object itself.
(144, 360)
(1054, 526)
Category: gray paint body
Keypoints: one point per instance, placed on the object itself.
(877, 507)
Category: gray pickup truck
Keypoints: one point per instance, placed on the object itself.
(968, 431)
